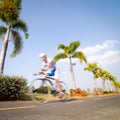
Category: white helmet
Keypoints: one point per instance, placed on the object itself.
(42, 55)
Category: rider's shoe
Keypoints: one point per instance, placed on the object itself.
(34, 90)
(54, 92)
(63, 90)
(61, 94)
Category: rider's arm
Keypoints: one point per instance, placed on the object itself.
(43, 70)
(49, 63)
(45, 67)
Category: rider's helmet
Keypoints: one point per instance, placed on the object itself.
(42, 55)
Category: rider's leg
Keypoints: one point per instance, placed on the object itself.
(55, 74)
(56, 77)
(58, 84)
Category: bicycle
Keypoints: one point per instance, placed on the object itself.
(48, 91)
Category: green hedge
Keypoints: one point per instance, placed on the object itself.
(41, 90)
(11, 87)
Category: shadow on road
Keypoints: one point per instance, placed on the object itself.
(64, 101)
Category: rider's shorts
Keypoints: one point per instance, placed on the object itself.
(53, 72)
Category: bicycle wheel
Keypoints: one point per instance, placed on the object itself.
(65, 90)
(39, 94)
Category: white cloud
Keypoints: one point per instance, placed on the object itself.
(108, 58)
(99, 47)
(103, 53)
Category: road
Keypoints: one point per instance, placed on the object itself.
(90, 108)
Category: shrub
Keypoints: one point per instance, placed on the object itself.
(98, 90)
(11, 87)
(41, 90)
(78, 91)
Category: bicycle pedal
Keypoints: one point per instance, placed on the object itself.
(54, 92)
(33, 91)
(63, 90)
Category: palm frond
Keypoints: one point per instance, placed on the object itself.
(20, 25)
(3, 30)
(87, 68)
(18, 4)
(61, 46)
(17, 43)
(67, 50)
(60, 56)
(73, 46)
(80, 56)
(92, 66)
(8, 11)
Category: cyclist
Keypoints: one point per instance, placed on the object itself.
(49, 68)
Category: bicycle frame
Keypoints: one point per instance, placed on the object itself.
(50, 86)
(47, 80)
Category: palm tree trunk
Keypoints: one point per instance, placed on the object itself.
(72, 73)
(95, 84)
(108, 85)
(4, 50)
(103, 82)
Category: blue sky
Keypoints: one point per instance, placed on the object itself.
(95, 23)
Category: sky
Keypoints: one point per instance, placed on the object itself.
(95, 23)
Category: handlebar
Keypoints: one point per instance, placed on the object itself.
(45, 75)
(41, 72)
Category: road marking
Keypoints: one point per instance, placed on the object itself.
(14, 108)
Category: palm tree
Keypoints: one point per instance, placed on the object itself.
(104, 75)
(70, 52)
(114, 81)
(10, 31)
(116, 84)
(92, 67)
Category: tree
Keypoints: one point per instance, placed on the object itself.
(70, 52)
(104, 75)
(114, 81)
(92, 67)
(10, 31)
(116, 84)
(101, 73)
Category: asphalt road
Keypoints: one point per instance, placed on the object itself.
(90, 108)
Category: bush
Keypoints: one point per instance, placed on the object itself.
(78, 91)
(41, 90)
(11, 87)
(24, 97)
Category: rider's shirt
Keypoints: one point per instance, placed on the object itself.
(49, 69)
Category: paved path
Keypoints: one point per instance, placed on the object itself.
(93, 108)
